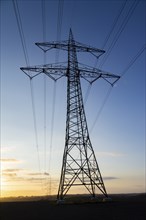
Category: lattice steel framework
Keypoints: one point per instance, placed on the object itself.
(79, 165)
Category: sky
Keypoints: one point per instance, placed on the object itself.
(32, 139)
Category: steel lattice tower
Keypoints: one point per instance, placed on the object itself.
(79, 165)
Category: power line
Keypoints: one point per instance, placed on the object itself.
(123, 25)
(45, 98)
(73, 13)
(44, 19)
(52, 132)
(107, 37)
(59, 25)
(129, 14)
(23, 42)
(45, 117)
(134, 59)
(59, 19)
(110, 89)
(45, 110)
(34, 120)
(87, 93)
(20, 29)
(101, 108)
(114, 24)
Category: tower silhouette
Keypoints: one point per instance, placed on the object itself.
(79, 165)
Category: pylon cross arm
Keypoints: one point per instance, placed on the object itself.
(86, 48)
(45, 46)
(53, 71)
(63, 45)
(91, 75)
(56, 71)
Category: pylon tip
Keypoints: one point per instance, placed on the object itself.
(70, 34)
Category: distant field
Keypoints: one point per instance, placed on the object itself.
(122, 207)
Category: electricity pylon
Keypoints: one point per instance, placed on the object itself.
(79, 165)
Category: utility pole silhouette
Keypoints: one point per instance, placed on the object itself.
(79, 165)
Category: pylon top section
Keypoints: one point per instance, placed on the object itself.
(57, 70)
(63, 45)
(70, 34)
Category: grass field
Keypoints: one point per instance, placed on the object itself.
(122, 207)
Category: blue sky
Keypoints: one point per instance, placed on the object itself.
(118, 136)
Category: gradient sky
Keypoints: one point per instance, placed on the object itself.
(118, 136)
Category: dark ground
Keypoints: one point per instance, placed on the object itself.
(122, 207)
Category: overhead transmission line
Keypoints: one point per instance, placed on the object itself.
(23, 42)
(124, 23)
(101, 108)
(20, 29)
(120, 30)
(105, 42)
(43, 6)
(44, 39)
(59, 18)
(133, 60)
(87, 93)
(112, 28)
(51, 134)
(73, 11)
(59, 27)
(44, 19)
(114, 24)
